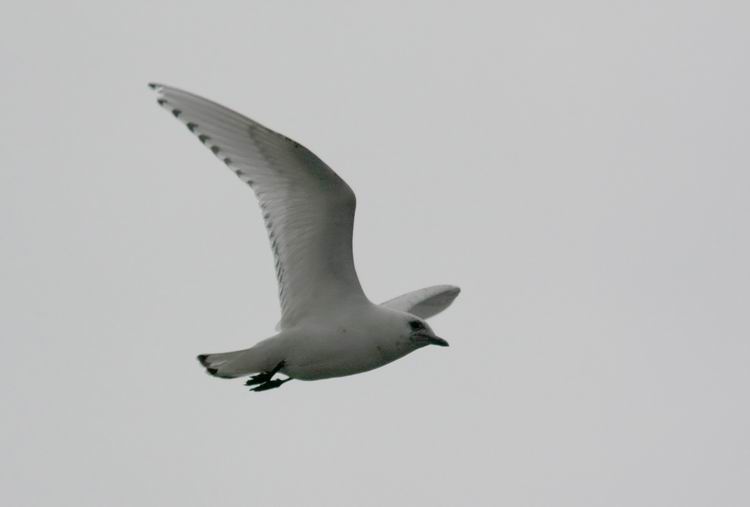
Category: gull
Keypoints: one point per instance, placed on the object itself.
(328, 327)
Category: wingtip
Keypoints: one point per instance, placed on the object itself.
(452, 289)
(155, 86)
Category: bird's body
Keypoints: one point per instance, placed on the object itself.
(358, 339)
(329, 328)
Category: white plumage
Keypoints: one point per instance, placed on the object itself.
(328, 327)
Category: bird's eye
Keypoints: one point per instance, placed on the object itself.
(416, 325)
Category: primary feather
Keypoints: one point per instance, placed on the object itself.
(308, 209)
(426, 302)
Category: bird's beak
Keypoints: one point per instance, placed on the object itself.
(436, 340)
(422, 338)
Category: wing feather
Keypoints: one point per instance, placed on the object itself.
(425, 303)
(307, 208)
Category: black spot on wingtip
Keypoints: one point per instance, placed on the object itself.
(161, 102)
(202, 359)
(191, 126)
(203, 138)
(212, 371)
(176, 113)
(228, 161)
(294, 143)
(153, 86)
(215, 149)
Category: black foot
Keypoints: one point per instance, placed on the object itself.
(264, 380)
(260, 378)
(271, 384)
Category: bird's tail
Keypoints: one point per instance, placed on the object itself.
(219, 365)
(239, 363)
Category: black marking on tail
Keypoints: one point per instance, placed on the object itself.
(214, 372)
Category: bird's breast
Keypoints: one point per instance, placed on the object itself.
(336, 355)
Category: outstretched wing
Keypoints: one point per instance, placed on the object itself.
(425, 303)
(308, 209)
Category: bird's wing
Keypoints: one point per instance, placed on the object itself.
(426, 302)
(308, 209)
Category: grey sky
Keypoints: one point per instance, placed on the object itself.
(580, 169)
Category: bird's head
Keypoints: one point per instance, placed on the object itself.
(420, 334)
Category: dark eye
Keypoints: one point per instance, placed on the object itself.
(416, 325)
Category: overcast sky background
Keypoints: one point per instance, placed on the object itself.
(579, 168)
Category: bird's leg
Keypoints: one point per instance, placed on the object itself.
(271, 384)
(264, 377)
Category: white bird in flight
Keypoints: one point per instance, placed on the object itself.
(328, 327)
